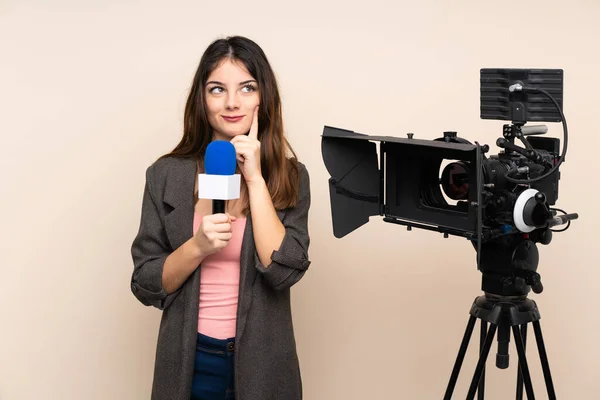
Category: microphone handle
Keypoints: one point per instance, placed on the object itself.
(218, 206)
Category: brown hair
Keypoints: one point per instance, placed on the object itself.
(280, 173)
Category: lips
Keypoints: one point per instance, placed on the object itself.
(233, 118)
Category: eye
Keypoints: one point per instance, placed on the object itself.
(249, 88)
(216, 90)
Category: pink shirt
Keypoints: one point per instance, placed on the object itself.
(219, 285)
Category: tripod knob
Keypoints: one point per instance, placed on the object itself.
(536, 283)
(540, 198)
(545, 237)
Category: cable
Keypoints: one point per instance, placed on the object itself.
(568, 222)
(518, 87)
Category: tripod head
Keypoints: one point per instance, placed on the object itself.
(509, 266)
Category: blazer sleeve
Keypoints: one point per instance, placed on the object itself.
(149, 250)
(290, 262)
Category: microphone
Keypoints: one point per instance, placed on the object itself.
(219, 181)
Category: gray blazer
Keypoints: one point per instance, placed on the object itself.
(266, 362)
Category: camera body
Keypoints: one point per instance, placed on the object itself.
(452, 186)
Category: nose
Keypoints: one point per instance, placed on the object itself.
(232, 100)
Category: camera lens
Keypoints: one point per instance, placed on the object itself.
(455, 180)
(494, 171)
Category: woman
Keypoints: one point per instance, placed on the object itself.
(223, 281)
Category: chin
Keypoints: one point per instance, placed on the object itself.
(236, 132)
(231, 133)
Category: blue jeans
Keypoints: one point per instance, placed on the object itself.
(213, 369)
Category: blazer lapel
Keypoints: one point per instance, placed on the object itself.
(179, 195)
(248, 274)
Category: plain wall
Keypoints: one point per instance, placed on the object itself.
(91, 93)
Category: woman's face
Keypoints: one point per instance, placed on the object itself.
(231, 96)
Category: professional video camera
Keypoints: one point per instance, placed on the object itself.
(501, 203)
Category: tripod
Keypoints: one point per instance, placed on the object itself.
(503, 313)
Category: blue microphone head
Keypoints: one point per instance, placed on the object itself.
(220, 158)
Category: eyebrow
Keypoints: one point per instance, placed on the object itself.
(241, 83)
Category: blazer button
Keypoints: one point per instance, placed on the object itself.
(230, 346)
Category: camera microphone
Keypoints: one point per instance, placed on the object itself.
(219, 181)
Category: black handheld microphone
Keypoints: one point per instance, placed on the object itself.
(219, 181)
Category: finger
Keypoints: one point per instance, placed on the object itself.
(215, 218)
(224, 236)
(240, 145)
(254, 128)
(247, 148)
(239, 139)
(243, 153)
(246, 144)
(249, 142)
(220, 228)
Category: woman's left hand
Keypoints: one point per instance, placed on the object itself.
(247, 149)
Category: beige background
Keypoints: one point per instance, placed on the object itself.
(92, 92)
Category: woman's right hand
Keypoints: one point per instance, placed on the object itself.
(214, 233)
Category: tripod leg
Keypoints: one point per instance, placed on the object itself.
(460, 357)
(523, 362)
(481, 388)
(544, 359)
(502, 356)
(519, 373)
(481, 363)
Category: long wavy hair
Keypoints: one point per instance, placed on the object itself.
(280, 172)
